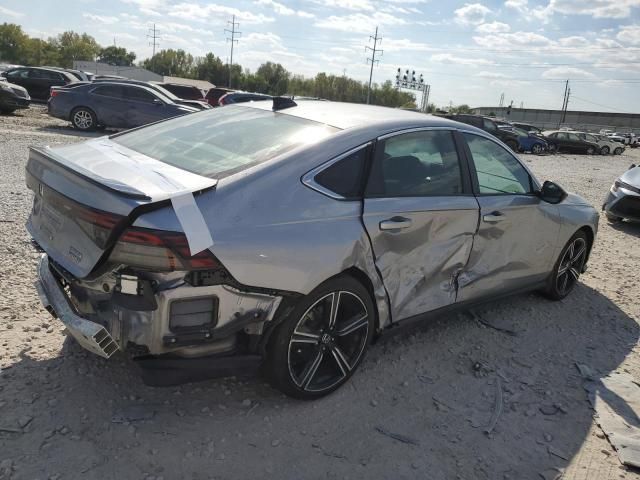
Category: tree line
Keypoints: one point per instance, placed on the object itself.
(270, 78)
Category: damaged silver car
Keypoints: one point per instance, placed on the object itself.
(288, 236)
(623, 200)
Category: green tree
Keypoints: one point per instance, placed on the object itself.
(116, 56)
(177, 63)
(464, 108)
(72, 46)
(13, 43)
(275, 76)
(211, 69)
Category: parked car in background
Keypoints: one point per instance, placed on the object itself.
(199, 104)
(80, 75)
(623, 200)
(527, 127)
(241, 97)
(12, 97)
(606, 145)
(617, 137)
(117, 105)
(38, 81)
(7, 66)
(527, 142)
(490, 126)
(213, 95)
(570, 142)
(630, 139)
(287, 255)
(108, 77)
(187, 92)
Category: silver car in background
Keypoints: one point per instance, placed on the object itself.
(288, 236)
(623, 200)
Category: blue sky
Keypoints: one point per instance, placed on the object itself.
(470, 52)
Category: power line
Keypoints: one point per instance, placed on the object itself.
(233, 40)
(373, 60)
(599, 104)
(154, 43)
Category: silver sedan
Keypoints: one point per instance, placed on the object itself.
(288, 236)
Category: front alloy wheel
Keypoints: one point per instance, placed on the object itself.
(537, 149)
(568, 268)
(83, 119)
(318, 347)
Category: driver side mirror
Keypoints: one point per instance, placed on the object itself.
(552, 192)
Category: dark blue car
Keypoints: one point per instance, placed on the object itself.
(116, 105)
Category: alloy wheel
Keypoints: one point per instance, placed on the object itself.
(537, 149)
(605, 151)
(571, 265)
(328, 341)
(82, 119)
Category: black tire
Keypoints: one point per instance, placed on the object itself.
(83, 118)
(537, 148)
(553, 148)
(513, 145)
(605, 150)
(612, 218)
(568, 267)
(618, 151)
(7, 111)
(591, 151)
(307, 357)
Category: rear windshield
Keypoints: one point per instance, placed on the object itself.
(219, 142)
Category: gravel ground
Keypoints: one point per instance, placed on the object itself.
(67, 414)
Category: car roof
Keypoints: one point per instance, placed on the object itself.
(352, 115)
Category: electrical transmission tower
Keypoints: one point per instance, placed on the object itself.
(373, 60)
(154, 37)
(233, 40)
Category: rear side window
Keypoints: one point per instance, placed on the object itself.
(138, 94)
(416, 164)
(114, 91)
(345, 176)
(219, 142)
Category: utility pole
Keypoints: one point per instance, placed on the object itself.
(373, 60)
(501, 101)
(565, 103)
(233, 40)
(154, 43)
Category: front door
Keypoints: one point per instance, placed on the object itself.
(517, 233)
(421, 217)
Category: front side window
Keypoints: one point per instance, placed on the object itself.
(573, 137)
(15, 74)
(416, 164)
(138, 94)
(562, 136)
(219, 142)
(497, 170)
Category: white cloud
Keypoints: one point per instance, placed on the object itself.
(282, 9)
(356, 5)
(106, 20)
(358, 22)
(10, 13)
(493, 75)
(405, 45)
(508, 40)
(562, 73)
(452, 59)
(471, 14)
(204, 13)
(520, 5)
(629, 34)
(493, 27)
(593, 8)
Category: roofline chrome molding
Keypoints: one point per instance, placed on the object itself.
(418, 129)
(308, 178)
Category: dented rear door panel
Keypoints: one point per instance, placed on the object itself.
(419, 264)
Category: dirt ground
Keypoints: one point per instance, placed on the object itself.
(417, 408)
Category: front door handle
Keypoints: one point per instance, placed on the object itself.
(395, 223)
(493, 217)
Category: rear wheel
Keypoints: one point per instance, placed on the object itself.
(320, 344)
(605, 150)
(618, 151)
(568, 268)
(84, 119)
(512, 144)
(537, 149)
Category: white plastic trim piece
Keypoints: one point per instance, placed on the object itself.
(192, 221)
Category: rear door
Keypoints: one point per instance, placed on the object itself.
(421, 217)
(563, 142)
(21, 77)
(108, 103)
(517, 232)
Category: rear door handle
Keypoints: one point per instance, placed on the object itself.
(493, 217)
(395, 223)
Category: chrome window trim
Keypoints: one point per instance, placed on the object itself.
(416, 129)
(308, 178)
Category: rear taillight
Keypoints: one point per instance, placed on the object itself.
(159, 250)
(54, 93)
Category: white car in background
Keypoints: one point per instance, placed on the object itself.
(607, 146)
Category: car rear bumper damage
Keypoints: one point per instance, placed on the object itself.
(623, 205)
(181, 333)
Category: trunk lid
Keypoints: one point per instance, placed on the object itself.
(86, 194)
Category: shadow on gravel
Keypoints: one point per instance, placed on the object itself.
(69, 130)
(420, 406)
(631, 228)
